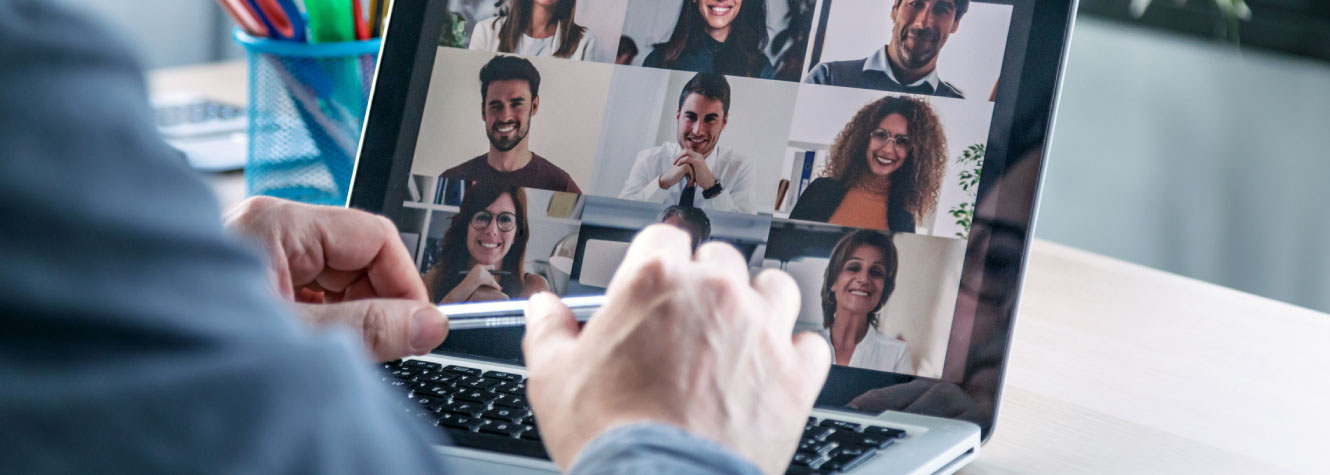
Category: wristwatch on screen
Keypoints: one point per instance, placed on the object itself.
(710, 193)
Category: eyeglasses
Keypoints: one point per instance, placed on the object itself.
(901, 141)
(481, 220)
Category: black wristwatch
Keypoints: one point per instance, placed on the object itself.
(710, 193)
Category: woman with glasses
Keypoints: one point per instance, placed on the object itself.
(536, 28)
(859, 279)
(717, 36)
(883, 171)
(484, 249)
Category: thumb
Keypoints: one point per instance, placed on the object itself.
(550, 326)
(391, 328)
(815, 356)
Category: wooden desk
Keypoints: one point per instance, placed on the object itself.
(1115, 368)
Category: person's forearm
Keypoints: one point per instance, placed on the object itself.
(656, 449)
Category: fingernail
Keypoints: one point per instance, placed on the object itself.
(427, 329)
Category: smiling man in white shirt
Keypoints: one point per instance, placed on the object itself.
(693, 171)
(908, 63)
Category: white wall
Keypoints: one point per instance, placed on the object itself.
(821, 112)
(971, 60)
(919, 311)
(634, 117)
(565, 130)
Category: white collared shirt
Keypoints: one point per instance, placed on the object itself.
(735, 174)
(879, 62)
(485, 37)
(877, 352)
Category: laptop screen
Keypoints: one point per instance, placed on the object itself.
(842, 141)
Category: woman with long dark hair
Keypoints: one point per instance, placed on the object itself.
(859, 279)
(536, 28)
(717, 36)
(884, 169)
(484, 249)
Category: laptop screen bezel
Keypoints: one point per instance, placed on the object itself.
(401, 83)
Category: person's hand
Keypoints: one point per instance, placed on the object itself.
(684, 340)
(673, 176)
(478, 285)
(345, 267)
(702, 176)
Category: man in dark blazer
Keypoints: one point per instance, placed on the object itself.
(908, 63)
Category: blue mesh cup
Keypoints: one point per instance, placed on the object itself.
(306, 107)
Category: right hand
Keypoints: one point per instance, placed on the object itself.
(478, 285)
(673, 176)
(684, 340)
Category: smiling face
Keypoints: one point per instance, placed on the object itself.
(507, 110)
(488, 245)
(859, 285)
(888, 145)
(920, 29)
(718, 15)
(701, 121)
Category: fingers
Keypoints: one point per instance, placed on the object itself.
(657, 242)
(724, 258)
(814, 355)
(550, 327)
(391, 328)
(780, 290)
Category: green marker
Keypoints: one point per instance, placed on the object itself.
(330, 21)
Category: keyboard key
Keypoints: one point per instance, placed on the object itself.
(506, 414)
(401, 384)
(502, 428)
(480, 397)
(817, 433)
(403, 373)
(464, 408)
(467, 423)
(462, 369)
(531, 433)
(439, 377)
(392, 365)
(511, 400)
(512, 387)
(854, 438)
(499, 443)
(480, 383)
(815, 446)
(428, 401)
(502, 376)
(422, 364)
(885, 431)
(435, 390)
(806, 459)
(849, 426)
(847, 461)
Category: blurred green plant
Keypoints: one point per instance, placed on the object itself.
(972, 167)
(1233, 11)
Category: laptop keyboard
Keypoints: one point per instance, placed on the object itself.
(488, 410)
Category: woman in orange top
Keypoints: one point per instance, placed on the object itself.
(884, 169)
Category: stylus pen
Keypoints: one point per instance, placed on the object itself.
(510, 313)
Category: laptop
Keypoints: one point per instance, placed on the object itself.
(887, 155)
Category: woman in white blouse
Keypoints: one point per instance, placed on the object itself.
(860, 277)
(536, 28)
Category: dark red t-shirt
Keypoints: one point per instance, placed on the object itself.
(539, 174)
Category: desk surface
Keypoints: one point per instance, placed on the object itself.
(1115, 368)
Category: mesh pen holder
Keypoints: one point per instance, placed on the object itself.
(306, 108)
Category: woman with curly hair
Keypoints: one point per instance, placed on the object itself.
(536, 28)
(884, 169)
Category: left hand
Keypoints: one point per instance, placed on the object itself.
(702, 176)
(348, 267)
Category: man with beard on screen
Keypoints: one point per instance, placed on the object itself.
(908, 63)
(510, 98)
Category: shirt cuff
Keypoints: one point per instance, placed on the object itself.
(654, 448)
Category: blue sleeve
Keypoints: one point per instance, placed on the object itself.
(820, 75)
(135, 335)
(657, 449)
